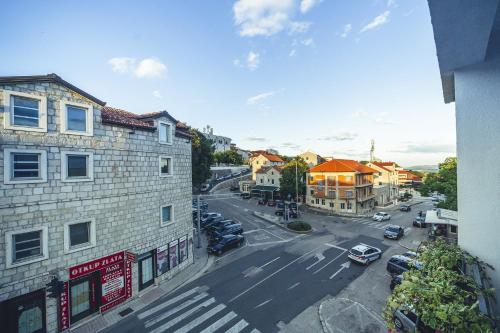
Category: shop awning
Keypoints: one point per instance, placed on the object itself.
(265, 188)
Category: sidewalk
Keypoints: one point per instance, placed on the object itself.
(202, 262)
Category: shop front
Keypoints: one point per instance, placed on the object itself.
(25, 313)
(95, 286)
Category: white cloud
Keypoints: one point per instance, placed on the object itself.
(307, 42)
(377, 21)
(147, 67)
(262, 17)
(384, 118)
(427, 148)
(306, 5)
(342, 136)
(253, 60)
(122, 64)
(292, 53)
(360, 114)
(157, 94)
(290, 145)
(256, 139)
(150, 67)
(391, 3)
(260, 98)
(236, 62)
(346, 31)
(299, 27)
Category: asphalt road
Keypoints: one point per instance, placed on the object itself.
(265, 284)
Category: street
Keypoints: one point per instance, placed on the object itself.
(264, 285)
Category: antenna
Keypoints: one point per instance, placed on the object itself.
(372, 151)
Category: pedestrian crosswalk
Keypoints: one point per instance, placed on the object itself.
(193, 311)
(376, 225)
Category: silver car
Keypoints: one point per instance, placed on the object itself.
(364, 254)
(381, 216)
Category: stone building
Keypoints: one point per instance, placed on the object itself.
(96, 197)
(385, 182)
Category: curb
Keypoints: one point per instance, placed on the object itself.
(284, 227)
(324, 324)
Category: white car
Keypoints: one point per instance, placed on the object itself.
(364, 254)
(381, 216)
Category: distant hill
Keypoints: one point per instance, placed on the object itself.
(423, 168)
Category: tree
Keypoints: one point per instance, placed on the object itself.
(287, 180)
(444, 182)
(201, 157)
(228, 157)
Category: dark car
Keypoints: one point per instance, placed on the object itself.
(271, 203)
(245, 195)
(399, 264)
(280, 204)
(396, 280)
(405, 208)
(234, 188)
(279, 212)
(394, 232)
(212, 221)
(232, 229)
(219, 225)
(419, 222)
(226, 243)
(262, 202)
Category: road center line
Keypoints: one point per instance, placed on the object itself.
(272, 274)
(328, 263)
(263, 303)
(293, 286)
(270, 262)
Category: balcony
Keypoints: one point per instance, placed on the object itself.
(365, 198)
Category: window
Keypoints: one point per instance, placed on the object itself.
(317, 201)
(79, 235)
(272, 181)
(323, 202)
(348, 194)
(77, 166)
(453, 229)
(25, 166)
(25, 112)
(312, 201)
(332, 205)
(331, 194)
(165, 132)
(349, 205)
(165, 166)
(77, 118)
(26, 246)
(312, 192)
(261, 180)
(166, 215)
(342, 205)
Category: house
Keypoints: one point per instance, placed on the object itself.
(219, 143)
(93, 197)
(267, 183)
(385, 182)
(467, 36)
(407, 178)
(261, 158)
(341, 186)
(311, 158)
(443, 223)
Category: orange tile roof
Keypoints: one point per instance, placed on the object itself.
(410, 175)
(338, 165)
(265, 169)
(383, 165)
(270, 157)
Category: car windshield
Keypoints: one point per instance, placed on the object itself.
(356, 252)
(393, 229)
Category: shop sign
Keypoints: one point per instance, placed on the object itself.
(182, 248)
(161, 260)
(173, 253)
(112, 282)
(95, 265)
(64, 308)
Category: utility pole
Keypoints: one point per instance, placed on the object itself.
(199, 221)
(296, 183)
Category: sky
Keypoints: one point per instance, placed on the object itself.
(293, 75)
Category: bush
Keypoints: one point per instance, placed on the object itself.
(299, 226)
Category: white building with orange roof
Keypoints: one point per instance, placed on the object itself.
(261, 158)
(385, 182)
(341, 186)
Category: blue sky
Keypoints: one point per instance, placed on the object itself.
(293, 75)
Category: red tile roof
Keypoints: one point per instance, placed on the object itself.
(410, 175)
(382, 165)
(338, 165)
(265, 169)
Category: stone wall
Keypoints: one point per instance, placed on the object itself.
(124, 198)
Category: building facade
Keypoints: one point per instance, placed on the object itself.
(341, 186)
(97, 198)
(385, 182)
(219, 143)
(261, 159)
(311, 158)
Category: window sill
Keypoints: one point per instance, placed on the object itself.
(27, 262)
(77, 180)
(68, 132)
(78, 248)
(26, 128)
(165, 143)
(166, 176)
(167, 224)
(25, 181)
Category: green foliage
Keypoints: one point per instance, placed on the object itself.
(443, 298)
(299, 226)
(228, 157)
(288, 177)
(201, 155)
(445, 182)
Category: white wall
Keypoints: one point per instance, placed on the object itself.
(477, 94)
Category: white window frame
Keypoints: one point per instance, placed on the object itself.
(64, 166)
(9, 263)
(9, 112)
(171, 165)
(171, 133)
(63, 116)
(7, 166)
(172, 215)
(67, 241)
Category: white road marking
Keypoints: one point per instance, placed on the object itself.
(342, 267)
(255, 331)
(328, 263)
(246, 209)
(273, 234)
(238, 327)
(235, 205)
(270, 262)
(335, 246)
(204, 317)
(272, 274)
(180, 318)
(263, 303)
(167, 303)
(293, 286)
(219, 323)
(320, 257)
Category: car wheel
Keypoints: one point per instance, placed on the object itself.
(238, 244)
(398, 324)
(219, 252)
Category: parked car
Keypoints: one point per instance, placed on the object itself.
(406, 320)
(232, 229)
(208, 216)
(419, 222)
(226, 243)
(245, 195)
(394, 232)
(364, 254)
(271, 203)
(410, 254)
(381, 216)
(212, 221)
(234, 188)
(262, 202)
(399, 264)
(279, 212)
(280, 204)
(396, 280)
(219, 225)
(405, 208)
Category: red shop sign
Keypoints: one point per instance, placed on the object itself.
(95, 265)
(112, 282)
(64, 309)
